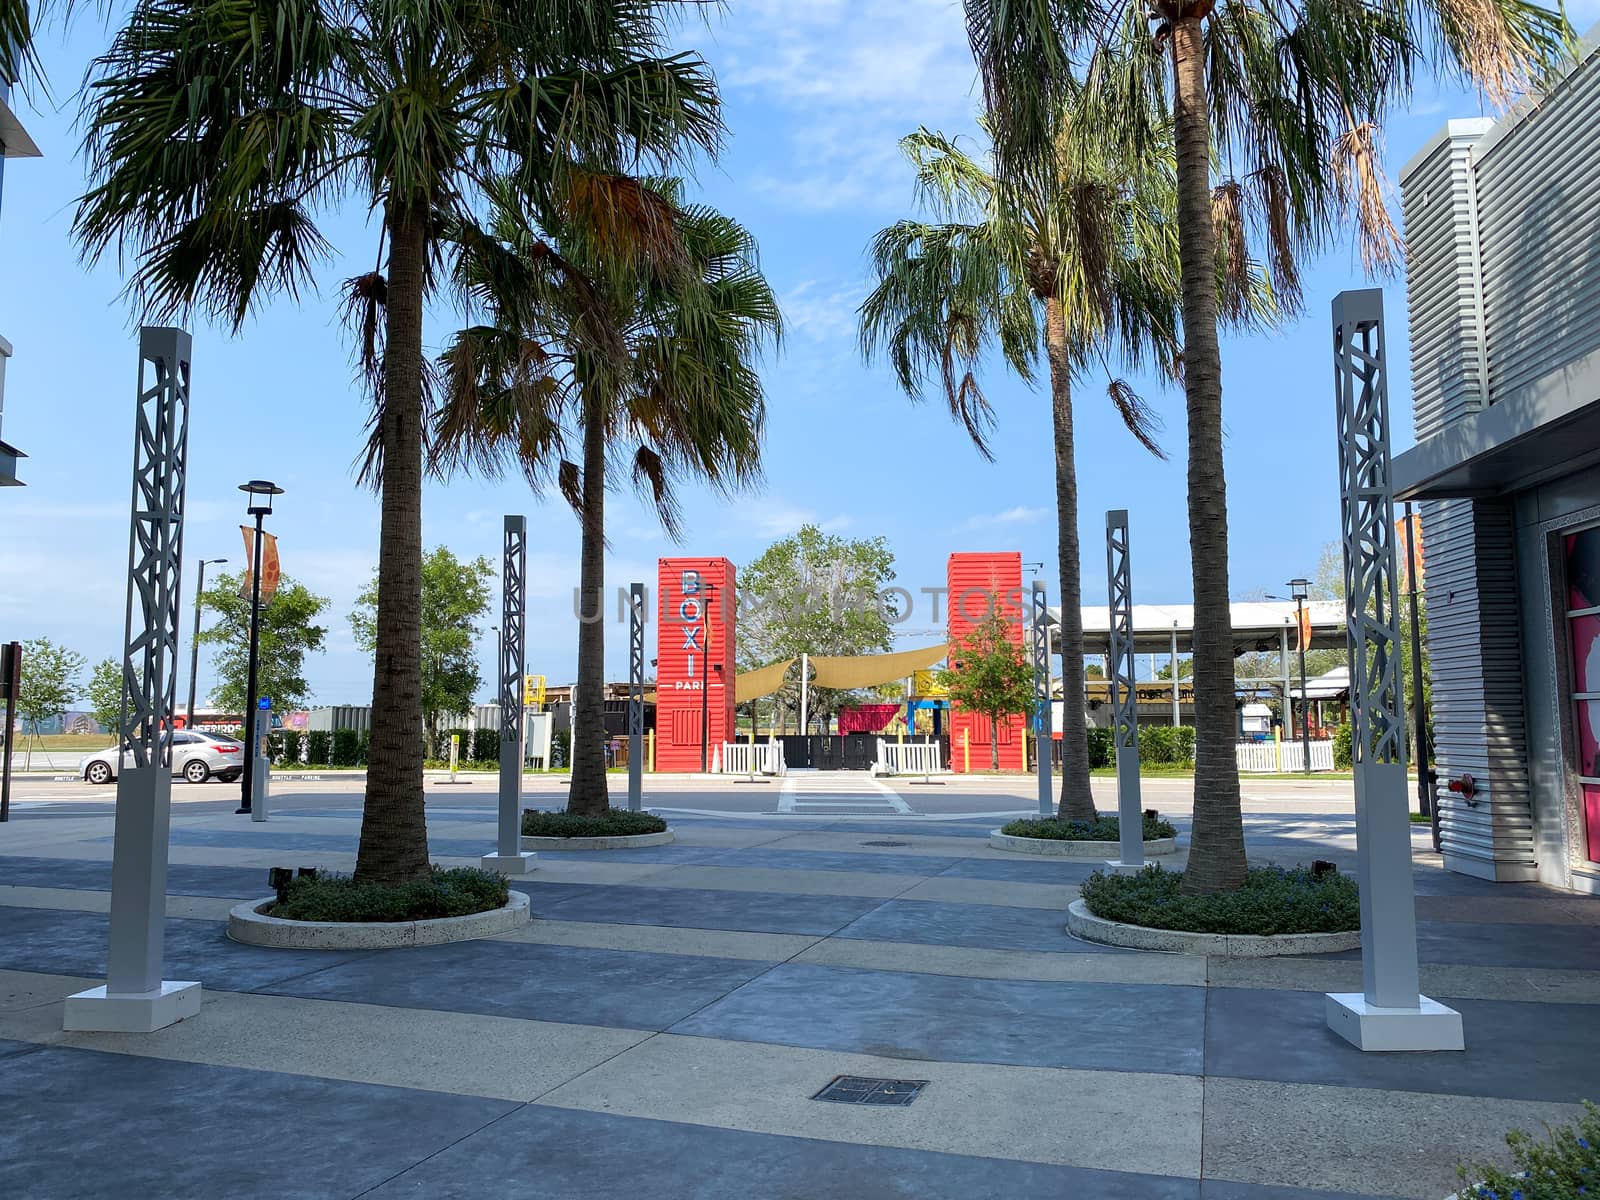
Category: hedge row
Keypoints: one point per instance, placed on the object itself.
(1158, 744)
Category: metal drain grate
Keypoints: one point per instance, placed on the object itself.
(862, 1089)
(886, 843)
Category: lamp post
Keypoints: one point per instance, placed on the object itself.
(194, 646)
(705, 683)
(261, 492)
(1300, 589)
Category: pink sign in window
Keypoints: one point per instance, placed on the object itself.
(1591, 819)
(1586, 653)
(1583, 569)
(1589, 738)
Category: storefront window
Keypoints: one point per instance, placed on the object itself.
(1583, 629)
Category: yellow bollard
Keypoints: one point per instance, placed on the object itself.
(1277, 746)
(650, 750)
(966, 752)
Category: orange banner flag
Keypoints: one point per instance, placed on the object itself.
(1304, 631)
(269, 563)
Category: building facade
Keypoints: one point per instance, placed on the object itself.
(1503, 290)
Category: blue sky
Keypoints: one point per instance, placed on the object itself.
(816, 96)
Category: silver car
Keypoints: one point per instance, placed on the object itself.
(195, 756)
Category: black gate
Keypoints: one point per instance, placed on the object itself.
(860, 751)
(796, 751)
(830, 752)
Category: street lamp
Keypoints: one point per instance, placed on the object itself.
(194, 647)
(261, 492)
(1300, 589)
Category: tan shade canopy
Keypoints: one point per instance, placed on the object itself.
(763, 681)
(874, 670)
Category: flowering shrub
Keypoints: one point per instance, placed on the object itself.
(1563, 1165)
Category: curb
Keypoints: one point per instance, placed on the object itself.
(247, 924)
(1084, 924)
(597, 843)
(1063, 848)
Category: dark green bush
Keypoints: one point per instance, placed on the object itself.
(1561, 1166)
(457, 892)
(560, 749)
(1271, 900)
(1166, 745)
(290, 745)
(485, 745)
(1343, 747)
(364, 749)
(1102, 749)
(346, 748)
(319, 747)
(1103, 829)
(619, 822)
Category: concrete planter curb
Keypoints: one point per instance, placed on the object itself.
(597, 843)
(1084, 924)
(1062, 848)
(248, 924)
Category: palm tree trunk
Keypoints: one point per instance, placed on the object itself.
(394, 828)
(588, 793)
(1216, 854)
(1077, 801)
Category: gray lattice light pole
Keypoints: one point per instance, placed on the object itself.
(134, 997)
(509, 857)
(1124, 699)
(636, 619)
(1389, 1013)
(1041, 696)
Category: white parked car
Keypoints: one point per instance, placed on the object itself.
(195, 756)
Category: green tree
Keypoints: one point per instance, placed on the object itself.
(287, 633)
(104, 694)
(216, 130)
(455, 595)
(1079, 258)
(989, 674)
(1277, 107)
(48, 685)
(644, 351)
(815, 593)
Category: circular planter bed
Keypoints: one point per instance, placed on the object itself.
(616, 830)
(1274, 911)
(1084, 924)
(250, 924)
(1080, 839)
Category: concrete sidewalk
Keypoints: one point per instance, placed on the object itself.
(662, 1027)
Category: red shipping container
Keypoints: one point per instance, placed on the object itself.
(697, 610)
(978, 583)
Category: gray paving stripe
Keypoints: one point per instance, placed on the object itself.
(752, 912)
(712, 943)
(1223, 1189)
(467, 1054)
(1516, 1051)
(946, 1018)
(57, 942)
(182, 879)
(332, 843)
(984, 926)
(1331, 1137)
(565, 1154)
(1326, 974)
(212, 908)
(565, 984)
(1124, 1121)
(155, 1128)
(985, 963)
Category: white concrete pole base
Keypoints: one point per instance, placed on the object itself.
(1429, 1026)
(511, 864)
(101, 1011)
(1115, 866)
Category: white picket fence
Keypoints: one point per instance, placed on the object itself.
(1266, 757)
(742, 758)
(908, 758)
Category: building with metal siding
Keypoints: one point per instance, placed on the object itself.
(696, 650)
(976, 581)
(1503, 291)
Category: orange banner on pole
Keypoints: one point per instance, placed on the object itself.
(1304, 631)
(270, 570)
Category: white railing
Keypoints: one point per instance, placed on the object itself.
(908, 758)
(1268, 757)
(742, 758)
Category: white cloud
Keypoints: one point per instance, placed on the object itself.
(823, 313)
(1019, 515)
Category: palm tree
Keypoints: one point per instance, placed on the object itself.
(644, 358)
(1078, 258)
(1287, 97)
(216, 129)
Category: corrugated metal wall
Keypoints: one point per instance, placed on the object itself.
(976, 580)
